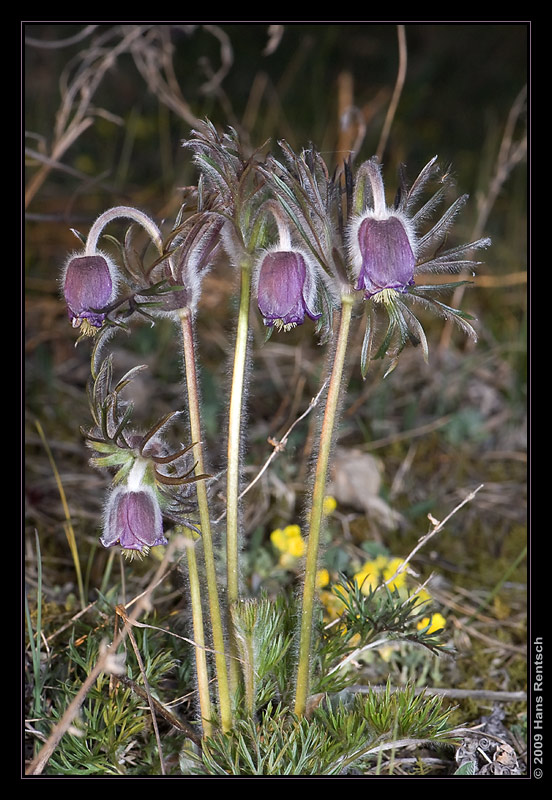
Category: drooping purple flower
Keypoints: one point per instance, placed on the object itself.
(133, 520)
(87, 287)
(285, 289)
(387, 258)
(387, 250)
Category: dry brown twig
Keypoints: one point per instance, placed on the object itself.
(279, 445)
(511, 152)
(437, 527)
(78, 84)
(397, 91)
(107, 662)
(153, 57)
(152, 50)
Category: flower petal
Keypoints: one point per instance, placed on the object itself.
(133, 520)
(387, 257)
(87, 285)
(282, 287)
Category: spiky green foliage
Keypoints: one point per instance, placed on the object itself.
(264, 633)
(278, 744)
(112, 735)
(403, 326)
(372, 612)
(405, 712)
(332, 741)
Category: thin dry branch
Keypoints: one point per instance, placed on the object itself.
(437, 527)
(485, 695)
(511, 152)
(106, 663)
(76, 113)
(279, 445)
(397, 91)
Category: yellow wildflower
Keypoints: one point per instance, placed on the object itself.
(322, 578)
(279, 539)
(437, 622)
(367, 578)
(378, 571)
(392, 566)
(370, 573)
(290, 543)
(329, 505)
(296, 546)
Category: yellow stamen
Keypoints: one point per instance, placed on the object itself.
(280, 325)
(136, 555)
(86, 328)
(386, 296)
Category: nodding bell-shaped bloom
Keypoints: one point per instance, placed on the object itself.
(382, 242)
(387, 250)
(133, 520)
(387, 257)
(87, 287)
(286, 289)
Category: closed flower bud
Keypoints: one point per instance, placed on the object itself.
(286, 289)
(87, 288)
(133, 520)
(197, 251)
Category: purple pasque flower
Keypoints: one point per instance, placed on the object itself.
(87, 287)
(133, 519)
(388, 249)
(387, 257)
(381, 241)
(286, 289)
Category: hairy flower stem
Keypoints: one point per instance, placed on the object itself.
(125, 212)
(205, 522)
(199, 637)
(316, 513)
(233, 462)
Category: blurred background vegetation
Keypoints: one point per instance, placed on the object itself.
(106, 109)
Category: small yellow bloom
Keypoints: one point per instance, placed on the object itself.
(290, 543)
(378, 571)
(367, 578)
(296, 546)
(437, 622)
(422, 596)
(392, 566)
(278, 539)
(322, 578)
(369, 575)
(281, 539)
(329, 505)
